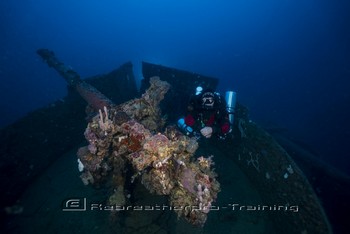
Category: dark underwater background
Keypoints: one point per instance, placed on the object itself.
(289, 61)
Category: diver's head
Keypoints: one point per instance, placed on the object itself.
(208, 99)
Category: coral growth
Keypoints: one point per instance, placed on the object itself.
(126, 135)
(146, 109)
(197, 190)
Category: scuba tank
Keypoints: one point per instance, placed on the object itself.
(231, 98)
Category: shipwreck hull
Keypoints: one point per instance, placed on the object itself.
(268, 166)
(35, 141)
(49, 132)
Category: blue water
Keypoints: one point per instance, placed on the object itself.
(288, 60)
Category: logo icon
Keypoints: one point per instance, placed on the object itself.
(74, 204)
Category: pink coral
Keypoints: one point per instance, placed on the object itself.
(136, 130)
(188, 180)
(90, 135)
(153, 143)
(92, 148)
(140, 160)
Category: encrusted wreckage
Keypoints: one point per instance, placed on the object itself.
(130, 133)
(130, 136)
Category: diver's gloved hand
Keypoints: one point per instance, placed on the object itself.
(207, 131)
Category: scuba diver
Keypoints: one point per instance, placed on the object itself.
(208, 114)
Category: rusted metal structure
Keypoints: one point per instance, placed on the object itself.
(287, 198)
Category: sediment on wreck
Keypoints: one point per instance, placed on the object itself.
(279, 181)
